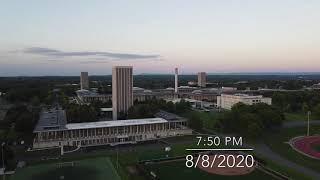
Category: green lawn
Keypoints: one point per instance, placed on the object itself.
(277, 142)
(177, 170)
(317, 147)
(88, 169)
(139, 152)
(298, 116)
(291, 173)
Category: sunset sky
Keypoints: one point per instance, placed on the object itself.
(216, 36)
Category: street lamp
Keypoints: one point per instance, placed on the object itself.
(308, 129)
(2, 152)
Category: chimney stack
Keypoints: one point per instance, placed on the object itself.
(176, 80)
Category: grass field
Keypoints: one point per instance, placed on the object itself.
(299, 116)
(127, 158)
(88, 169)
(177, 170)
(317, 147)
(141, 153)
(277, 142)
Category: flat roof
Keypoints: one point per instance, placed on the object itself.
(115, 123)
(243, 95)
(52, 119)
(175, 100)
(168, 116)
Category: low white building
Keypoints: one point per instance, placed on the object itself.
(226, 101)
(315, 87)
(52, 130)
(228, 89)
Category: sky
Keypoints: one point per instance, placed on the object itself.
(61, 37)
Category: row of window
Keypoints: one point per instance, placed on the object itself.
(81, 133)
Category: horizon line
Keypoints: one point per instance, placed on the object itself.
(208, 73)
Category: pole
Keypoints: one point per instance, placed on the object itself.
(308, 130)
(117, 158)
(2, 152)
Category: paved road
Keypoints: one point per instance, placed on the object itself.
(265, 151)
(301, 123)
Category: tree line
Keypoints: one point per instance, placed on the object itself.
(250, 120)
(301, 101)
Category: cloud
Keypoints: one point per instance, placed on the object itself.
(114, 56)
(93, 62)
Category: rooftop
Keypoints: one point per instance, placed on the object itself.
(88, 93)
(51, 120)
(167, 116)
(243, 95)
(115, 123)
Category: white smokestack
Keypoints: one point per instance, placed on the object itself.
(176, 80)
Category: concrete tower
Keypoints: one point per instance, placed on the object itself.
(84, 80)
(122, 83)
(176, 80)
(202, 79)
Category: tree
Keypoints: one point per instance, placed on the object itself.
(21, 119)
(195, 122)
(305, 107)
(24, 122)
(246, 119)
(254, 130)
(250, 120)
(81, 113)
(9, 157)
(170, 107)
(35, 101)
(316, 111)
(140, 111)
(182, 106)
(11, 135)
(270, 116)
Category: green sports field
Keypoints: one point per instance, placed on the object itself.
(88, 169)
(277, 142)
(177, 170)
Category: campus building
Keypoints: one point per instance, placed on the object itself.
(226, 101)
(140, 94)
(52, 130)
(315, 87)
(84, 80)
(122, 85)
(85, 97)
(202, 79)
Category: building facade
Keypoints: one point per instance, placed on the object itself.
(226, 101)
(122, 85)
(84, 80)
(103, 132)
(202, 79)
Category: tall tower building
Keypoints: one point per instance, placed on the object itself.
(84, 80)
(176, 80)
(202, 79)
(122, 83)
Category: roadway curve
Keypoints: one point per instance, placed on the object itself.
(293, 124)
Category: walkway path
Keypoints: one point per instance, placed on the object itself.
(265, 151)
(293, 124)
